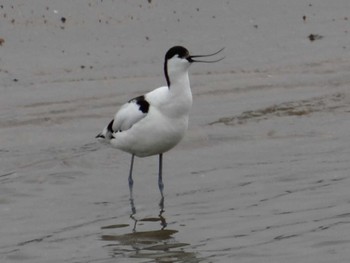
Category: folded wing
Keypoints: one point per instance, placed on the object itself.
(129, 114)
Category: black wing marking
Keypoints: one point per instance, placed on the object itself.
(142, 102)
(107, 132)
(110, 126)
(130, 113)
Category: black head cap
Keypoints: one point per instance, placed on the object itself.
(180, 51)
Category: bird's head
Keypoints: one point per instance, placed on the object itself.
(178, 60)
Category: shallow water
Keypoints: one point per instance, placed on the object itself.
(269, 184)
(261, 176)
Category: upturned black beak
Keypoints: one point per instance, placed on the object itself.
(190, 58)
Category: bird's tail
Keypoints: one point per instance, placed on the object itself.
(107, 133)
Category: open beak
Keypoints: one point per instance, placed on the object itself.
(190, 58)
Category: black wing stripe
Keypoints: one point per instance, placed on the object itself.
(100, 135)
(142, 102)
(110, 126)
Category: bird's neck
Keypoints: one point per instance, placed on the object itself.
(180, 96)
(180, 99)
(180, 84)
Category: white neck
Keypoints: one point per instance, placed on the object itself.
(180, 96)
(179, 81)
(180, 99)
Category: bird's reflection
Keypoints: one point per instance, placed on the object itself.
(160, 218)
(157, 245)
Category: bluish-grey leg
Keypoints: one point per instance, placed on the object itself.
(160, 178)
(131, 184)
(131, 181)
(161, 187)
(161, 205)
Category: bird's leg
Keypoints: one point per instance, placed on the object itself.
(160, 178)
(161, 205)
(131, 181)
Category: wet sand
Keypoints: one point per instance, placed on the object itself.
(261, 176)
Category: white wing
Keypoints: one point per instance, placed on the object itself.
(129, 114)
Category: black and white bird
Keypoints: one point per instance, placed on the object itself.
(154, 123)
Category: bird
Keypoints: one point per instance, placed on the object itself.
(153, 123)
